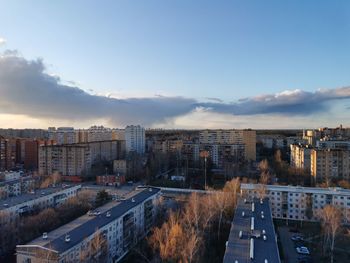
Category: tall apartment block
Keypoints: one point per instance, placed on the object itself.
(62, 135)
(135, 139)
(106, 238)
(327, 164)
(231, 137)
(77, 159)
(300, 156)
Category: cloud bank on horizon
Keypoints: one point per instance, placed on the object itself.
(27, 89)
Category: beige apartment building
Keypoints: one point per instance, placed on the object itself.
(330, 163)
(300, 156)
(231, 137)
(77, 159)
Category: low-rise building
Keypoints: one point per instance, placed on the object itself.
(105, 236)
(37, 199)
(301, 203)
(252, 236)
(15, 187)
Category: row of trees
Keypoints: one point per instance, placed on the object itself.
(183, 237)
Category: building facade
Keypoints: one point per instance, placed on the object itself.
(107, 237)
(77, 159)
(231, 137)
(37, 199)
(327, 164)
(135, 139)
(300, 156)
(301, 203)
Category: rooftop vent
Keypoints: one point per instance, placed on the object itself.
(253, 207)
(245, 200)
(240, 234)
(45, 235)
(263, 231)
(261, 201)
(243, 214)
(67, 238)
(252, 224)
(264, 237)
(150, 189)
(251, 251)
(108, 214)
(266, 261)
(133, 200)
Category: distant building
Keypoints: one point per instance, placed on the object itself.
(112, 180)
(135, 139)
(77, 159)
(62, 135)
(116, 230)
(119, 167)
(231, 137)
(327, 164)
(300, 156)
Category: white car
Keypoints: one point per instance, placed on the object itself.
(303, 250)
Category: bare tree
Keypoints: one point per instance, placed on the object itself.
(221, 200)
(331, 217)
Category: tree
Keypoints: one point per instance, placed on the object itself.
(331, 217)
(232, 188)
(102, 198)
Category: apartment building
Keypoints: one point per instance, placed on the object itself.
(301, 203)
(7, 153)
(300, 156)
(77, 159)
(62, 135)
(231, 137)
(135, 139)
(327, 164)
(105, 237)
(252, 235)
(40, 198)
(16, 187)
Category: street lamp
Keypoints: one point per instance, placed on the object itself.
(205, 155)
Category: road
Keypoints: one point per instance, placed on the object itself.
(290, 255)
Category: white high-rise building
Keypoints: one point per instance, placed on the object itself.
(135, 139)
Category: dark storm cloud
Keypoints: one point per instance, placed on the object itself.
(26, 88)
(294, 102)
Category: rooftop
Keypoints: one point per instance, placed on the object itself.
(23, 198)
(85, 225)
(239, 245)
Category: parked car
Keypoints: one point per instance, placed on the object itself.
(297, 238)
(303, 250)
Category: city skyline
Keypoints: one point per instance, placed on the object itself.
(174, 65)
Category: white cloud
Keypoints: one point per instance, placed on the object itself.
(2, 41)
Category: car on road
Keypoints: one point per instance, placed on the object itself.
(303, 250)
(297, 238)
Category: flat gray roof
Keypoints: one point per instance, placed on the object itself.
(86, 225)
(23, 198)
(238, 249)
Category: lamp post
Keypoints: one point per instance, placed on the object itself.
(205, 155)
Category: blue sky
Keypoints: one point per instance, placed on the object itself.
(196, 49)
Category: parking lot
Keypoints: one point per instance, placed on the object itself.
(289, 246)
